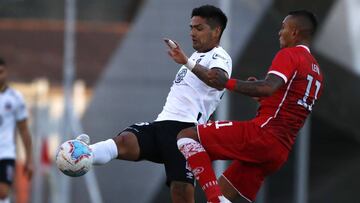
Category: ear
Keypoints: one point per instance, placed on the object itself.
(217, 31)
(295, 33)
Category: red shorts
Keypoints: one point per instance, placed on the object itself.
(256, 153)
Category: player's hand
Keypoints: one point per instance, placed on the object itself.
(175, 52)
(28, 169)
(251, 78)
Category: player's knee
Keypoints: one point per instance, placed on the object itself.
(4, 192)
(182, 192)
(128, 147)
(188, 133)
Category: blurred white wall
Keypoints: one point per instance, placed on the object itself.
(339, 36)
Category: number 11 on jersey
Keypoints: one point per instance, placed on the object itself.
(303, 101)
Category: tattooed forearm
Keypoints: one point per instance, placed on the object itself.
(253, 88)
(214, 77)
(259, 88)
(201, 73)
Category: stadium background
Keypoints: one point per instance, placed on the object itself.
(123, 76)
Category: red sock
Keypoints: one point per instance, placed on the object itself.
(199, 162)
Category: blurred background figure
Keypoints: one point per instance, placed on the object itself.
(13, 118)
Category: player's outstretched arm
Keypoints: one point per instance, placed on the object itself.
(252, 78)
(253, 88)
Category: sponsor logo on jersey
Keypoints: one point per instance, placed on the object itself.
(316, 69)
(180, 76)
(216, 56)
(198, 61)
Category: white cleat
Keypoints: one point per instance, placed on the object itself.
(84, 138)
(222, 199)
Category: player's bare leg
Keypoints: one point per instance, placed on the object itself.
(182, 192)
(189, 133)
(4, 192)
(124, 146)
(229, 191)
(127, 146)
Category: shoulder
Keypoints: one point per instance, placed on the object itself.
(219, 52)
(17, 95)
(288, 54)
(286, 51)
(219, 56)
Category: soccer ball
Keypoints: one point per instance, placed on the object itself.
(74, 158)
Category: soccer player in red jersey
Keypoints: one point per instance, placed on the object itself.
(258, 147)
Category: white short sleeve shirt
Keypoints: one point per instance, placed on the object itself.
(12, 110)
(190, 99)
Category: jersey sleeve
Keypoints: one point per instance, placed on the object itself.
(220, 60)
(283, 65)
(21, 110)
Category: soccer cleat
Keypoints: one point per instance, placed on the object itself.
(84, 138)
(222, 199)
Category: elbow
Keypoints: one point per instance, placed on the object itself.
(268, 92)
(214, 85)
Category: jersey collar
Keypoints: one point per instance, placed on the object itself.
(208, 50)
(305, 47)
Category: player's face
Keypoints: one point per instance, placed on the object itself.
(203, 37)
(287, 33)
(3, 75)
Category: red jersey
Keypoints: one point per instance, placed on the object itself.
(285, 112)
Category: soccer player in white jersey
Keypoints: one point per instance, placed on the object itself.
(13, 115)
(189, 102)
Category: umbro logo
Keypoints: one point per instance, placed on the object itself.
(189, 175)
(315, 68)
